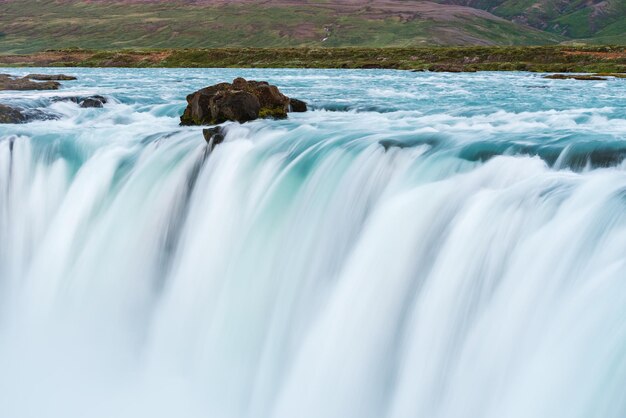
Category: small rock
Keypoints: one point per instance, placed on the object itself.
(213, 136)
(11, 115)
(50, 77)
(84, 101)
(296, 105)
(94, 101)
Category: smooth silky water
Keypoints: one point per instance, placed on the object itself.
(417, 245)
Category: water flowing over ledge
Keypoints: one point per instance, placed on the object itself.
(417, 245)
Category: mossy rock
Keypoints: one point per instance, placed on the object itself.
(273, 113)
(239, 101)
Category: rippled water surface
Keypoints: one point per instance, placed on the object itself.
(416, 245)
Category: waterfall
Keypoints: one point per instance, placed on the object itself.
(338, 264)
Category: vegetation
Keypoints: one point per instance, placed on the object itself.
(33, 25)
(594, 21)
(316, 33)
(541, 59)
(28, 26)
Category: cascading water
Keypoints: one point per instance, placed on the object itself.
(418, 245)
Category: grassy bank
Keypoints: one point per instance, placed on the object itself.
(540, 59)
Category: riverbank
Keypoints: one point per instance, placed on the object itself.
(454, 59)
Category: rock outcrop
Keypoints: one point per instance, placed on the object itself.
(239, 101)
(85, 101)
(9, 114)
(8, 82)
(33, 81)
(451, 68)
(50, 77)
(584, 77)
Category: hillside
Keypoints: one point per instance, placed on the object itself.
(32, 25)
(602, 20)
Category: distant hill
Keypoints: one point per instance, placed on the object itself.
(602, 20)
(35, 25)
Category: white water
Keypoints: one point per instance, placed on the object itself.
(301, 269)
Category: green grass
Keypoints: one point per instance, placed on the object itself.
(541, 59)
(33, 25)
(574, 19)
(577, 23)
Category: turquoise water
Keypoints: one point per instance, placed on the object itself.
(417, 245)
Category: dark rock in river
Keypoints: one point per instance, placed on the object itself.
(240, 106)
(11, 115)
(239, 101)
(296, 105)
(50, 77)
(213, 136)
(451, 68)
(84, 101)
(8, 82)
(93, 101)
(584, 77)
